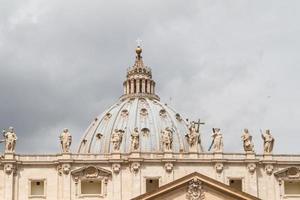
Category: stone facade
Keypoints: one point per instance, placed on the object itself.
(138, 142)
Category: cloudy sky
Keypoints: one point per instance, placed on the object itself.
(234, 64)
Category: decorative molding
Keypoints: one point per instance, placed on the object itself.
(195, 190)
(219, 167)
(290, 173)
(269, 169)
(169, 167)
(9, 168)
(135, 167)
(251, 167)
(116, 167)
(90, 172)
(64, 169)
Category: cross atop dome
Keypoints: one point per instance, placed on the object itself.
(139, 81)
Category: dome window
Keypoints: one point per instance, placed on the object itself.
(144, 112)
(145, 132)
(163, 113)
(99, 136)
(107, 116)
(124, 113)
(178, 117)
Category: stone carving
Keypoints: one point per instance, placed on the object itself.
(90, 172)
(167, 139)
(169, 167)
(135, 167)
(163, 113)
(65, 140)
(195, 190)
(9, 168)
(251, 167)
(10, 139)
(64, 169)
(193, 136)
(107, 116)
(269, 169)
(219, 167)
(178, 117)
(135, 139)
(290, 173)
(116, 139)
(124, 113)
(116, 167)
(247, 141)
(145, 132)
(217, 142)
(268, 142)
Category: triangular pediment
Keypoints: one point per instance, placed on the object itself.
(90, 172)
(196, 186)
(288, 173)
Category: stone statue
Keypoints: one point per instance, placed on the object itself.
(116, 139)
(135, 139)
(193, 136)
(247, 141)
(167, 139)
(65, 140)
(217, 143)
(10, 139)
(268, 141)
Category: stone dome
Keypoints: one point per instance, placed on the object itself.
(139, 110)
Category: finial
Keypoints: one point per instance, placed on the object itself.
(138, 50)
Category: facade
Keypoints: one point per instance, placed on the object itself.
(141, 148)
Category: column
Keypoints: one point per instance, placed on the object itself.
(148, 86)
(117, 185)
(131, 86)
(136, 179)
(137, 85)
(8, 181)
(143, 86)
(127, 87)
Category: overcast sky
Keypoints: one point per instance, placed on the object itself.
(234, 64)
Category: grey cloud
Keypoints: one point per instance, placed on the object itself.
(234, 64)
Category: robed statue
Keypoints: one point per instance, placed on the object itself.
(116, 139)
(268, 141)
(167, 139)
(217, 142)
(247, 141)
(135, 139)
(10, 139)
(65, 140)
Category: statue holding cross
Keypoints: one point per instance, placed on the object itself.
(193, 136)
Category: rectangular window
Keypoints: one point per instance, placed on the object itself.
(292, 187)
(37, 188)
(236, 184)
(152, 184)
(91, 187)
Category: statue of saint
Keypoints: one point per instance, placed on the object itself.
(193, 136)
(10, 139)
(217, 143)
(65, 140)
(268, 141)
(247, 141)
(135, 139)
(116, 139)
(167, 139)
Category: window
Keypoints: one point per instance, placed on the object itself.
(152, 184)
(292, 187)
(37, 188)
(236, 184)
(91, 187)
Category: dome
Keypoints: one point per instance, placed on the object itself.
(138, 122)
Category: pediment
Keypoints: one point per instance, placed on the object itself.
(196, 186)
(90, 172)
(288, 173)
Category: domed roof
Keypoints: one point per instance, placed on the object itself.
(139, 117)
(148, 115)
